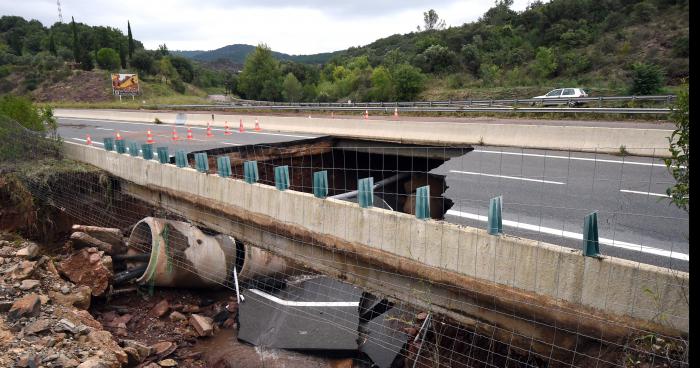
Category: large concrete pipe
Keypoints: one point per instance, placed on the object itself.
(181, 255)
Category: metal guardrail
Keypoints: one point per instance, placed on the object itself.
(527, 105)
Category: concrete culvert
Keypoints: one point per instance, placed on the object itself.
(181, 255)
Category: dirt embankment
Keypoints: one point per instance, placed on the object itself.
(80, 86)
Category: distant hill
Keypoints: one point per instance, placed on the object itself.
(237, 53)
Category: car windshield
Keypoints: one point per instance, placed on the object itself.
(556, 92)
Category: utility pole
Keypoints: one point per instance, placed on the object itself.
(60, 15)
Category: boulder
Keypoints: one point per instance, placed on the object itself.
(28, 306)
(84, 268)
(79, 298)
(104, 341)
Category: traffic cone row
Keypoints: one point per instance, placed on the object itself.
(175, 137)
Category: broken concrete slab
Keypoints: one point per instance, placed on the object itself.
(202, 324)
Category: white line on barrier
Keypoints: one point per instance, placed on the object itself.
(508, 177)
(94, 142)
(573, 158)
(573, 235)
(231, 144)
(644, 193)
(292, 303)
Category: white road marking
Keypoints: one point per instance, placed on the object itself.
(573, 158)
(188, 126)
(93, 142)
(508, 177)
(104, 128)
(644, 193)
(292, 303)
(572, 235)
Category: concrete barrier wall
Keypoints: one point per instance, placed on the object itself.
(614, 286)
(646, 142)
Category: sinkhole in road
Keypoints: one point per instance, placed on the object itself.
(397, 169)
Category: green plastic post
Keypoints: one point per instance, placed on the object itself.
(201, 162)
(496, 216)
(120, 146)
(591, 247)
(321, 184)
(250, 172)
(282, 177)
(134, 149)
(365, 192)
(147, 151)
(109, 144)
(181, 159)
(223, 166)
(423, 202)
(163, 157)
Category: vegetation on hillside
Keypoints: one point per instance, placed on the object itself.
(607, 46)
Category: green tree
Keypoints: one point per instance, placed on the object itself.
(409, 81)
(545, 62)
(679, 163)
(76, 45)
(86, 61)
(21, 110)
(292, 90)
(142, 61)
(471, 58)
(108, 59)
(167, 70)
(382, 85)
(131, 40)
(438, 59)
(646, 79)
(122, 54)
(432, 21)
(260, 78)
(52, 45)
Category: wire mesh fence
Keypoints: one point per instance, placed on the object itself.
(545, 197)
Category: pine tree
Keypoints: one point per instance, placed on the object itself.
(52, 45)
(131, 40)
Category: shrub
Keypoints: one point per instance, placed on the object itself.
(646, 79)
(108, 59)
(679, 141)
(20, 109)
(178, 86)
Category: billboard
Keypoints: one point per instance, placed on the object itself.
(125, 84)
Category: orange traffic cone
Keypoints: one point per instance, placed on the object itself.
(189, 134)
(175, 138)
(396, 113)
(366, 114)
(257, 125)
(209, 134)
(88, 141)
(119, 137)
(227, 130)
(332, 115)
(149, 137)
(240, 127)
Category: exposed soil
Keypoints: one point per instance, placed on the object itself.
(81, 86)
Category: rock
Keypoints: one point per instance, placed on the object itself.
(80, 298)
(160, 309)
(30, 251)
(421, 316)
(79, 269)
(136, 350)
(202, 325)
(94, 363)
(163, 348)
(78, 317)
(190, 309)
(65, 362)
(152, 365)
(38, 326)
(177, 316)
(167, 363)
(28, 360)
(5, 306)
(7, 251)
(65, 289)
(28, 284)
(104, 340)
(66, 325)
(85, 240)
(24, 270)
(28, 306)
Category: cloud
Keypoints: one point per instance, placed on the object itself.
(294, 27)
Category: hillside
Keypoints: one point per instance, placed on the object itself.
(237, 53)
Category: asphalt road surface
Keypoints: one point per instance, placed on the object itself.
(546, 194)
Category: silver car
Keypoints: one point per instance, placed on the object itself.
(559, 96)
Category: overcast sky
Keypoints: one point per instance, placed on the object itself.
(289, 26)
